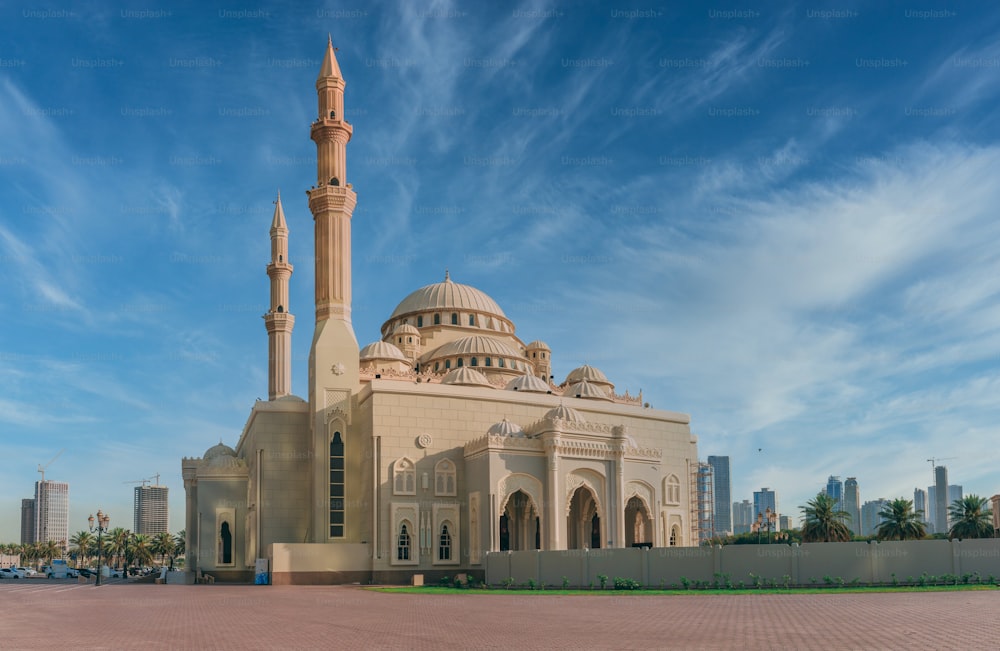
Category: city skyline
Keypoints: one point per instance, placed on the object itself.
(768, 212)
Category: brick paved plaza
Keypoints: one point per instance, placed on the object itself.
(63, 615)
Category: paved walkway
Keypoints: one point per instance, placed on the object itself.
(65, 615)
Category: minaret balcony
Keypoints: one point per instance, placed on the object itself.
(324, 198)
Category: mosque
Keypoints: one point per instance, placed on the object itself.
(446, 439)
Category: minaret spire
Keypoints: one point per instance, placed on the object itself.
(278, 321)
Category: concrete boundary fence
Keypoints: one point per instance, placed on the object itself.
(803, 565)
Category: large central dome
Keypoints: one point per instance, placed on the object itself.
(448, 295)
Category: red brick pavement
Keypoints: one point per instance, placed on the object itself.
(69, 616)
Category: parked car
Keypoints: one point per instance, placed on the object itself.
(27, 571)
(86, 571)
(9, 573)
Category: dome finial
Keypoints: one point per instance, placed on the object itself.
(447, 276)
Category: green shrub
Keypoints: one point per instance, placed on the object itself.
(565, 583)
(626, 584)
(603, 578)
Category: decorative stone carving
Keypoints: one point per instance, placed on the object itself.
(519, 482)
(424, 440)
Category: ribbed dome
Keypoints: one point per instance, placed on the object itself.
(225, 461)
(562, 412)
(447, 295)
(506, 428)
(529, 383)
(220, 450)
(405, 329)
(382, 350)
(537, 343)
(586, 390)
(476, 345)
(465, 376)
(588, 373)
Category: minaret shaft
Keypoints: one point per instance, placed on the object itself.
(278, 321)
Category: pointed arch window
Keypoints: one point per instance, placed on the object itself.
(672, 490)
(444, 544)
(454, 318)
(489, 361)
(458, 364)
(404, 477)
(472, 319)
(403, 543)
(474, 361)
(500, 362)
(337, 471)
(447, 364)
(445, 478)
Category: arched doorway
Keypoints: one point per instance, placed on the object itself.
(583, 526)
(519, 524)
(638, 523)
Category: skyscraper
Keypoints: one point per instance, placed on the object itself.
(723, 495)
(151, 514)
(835, 489)
(52, 511)
(852, 504)
(940, 499)
(742, 516)
(764, 499)
(954, 493)
(869, 515)
(920, 504)
(27, 520)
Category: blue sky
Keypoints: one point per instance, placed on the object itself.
(778, 218)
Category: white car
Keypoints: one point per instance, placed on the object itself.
(27, 571)
(9, 573)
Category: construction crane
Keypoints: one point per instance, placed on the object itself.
(157, 483)
(934, 461)
(138, 481)
(42, 468)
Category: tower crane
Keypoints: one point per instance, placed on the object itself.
(138, 481)
(42, 468)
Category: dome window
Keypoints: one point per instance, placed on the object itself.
(500, 362)
(489, 361)
(420, 322)
(459, 363)
(447, 364)
(472, 319)
(437, 319)
(454, 318)
(409, 340)
(436, 366)
(475, 362)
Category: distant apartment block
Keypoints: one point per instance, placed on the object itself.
(852, 504)
(52, 511)
(743, 516)
(869, 515)
(27, 521)
(150, 510)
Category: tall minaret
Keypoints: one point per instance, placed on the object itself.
(333, 358)
(278, 321)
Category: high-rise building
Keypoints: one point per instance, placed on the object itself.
(764, 499)
(151, 515)
(869, 515)
(785, 523)
(743, 516)
(52, 511)
(835, 489)
(920, 504)
(27, 520)
(723, 490)
(954, 493)
(940, 499)
(852, 504)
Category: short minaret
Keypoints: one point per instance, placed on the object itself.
(278, 321)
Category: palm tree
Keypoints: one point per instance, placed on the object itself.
(900, 522)
(141, 554)
(82, 542)
(180, 542)
(163, 544)
(971, 518)
(117, 542)
(823, 521)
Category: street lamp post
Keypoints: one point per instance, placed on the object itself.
(765, 521)
(102, 525)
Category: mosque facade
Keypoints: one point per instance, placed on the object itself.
(445, 439)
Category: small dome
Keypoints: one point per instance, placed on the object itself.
(562, 412)
(538, 345)
(477, 345)
(586, 390)
(586, 372)
(382, 350)
(506, 428)
(529, 383)
(465, 376)
(220, 450)
(406, 329)
(224, 461)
